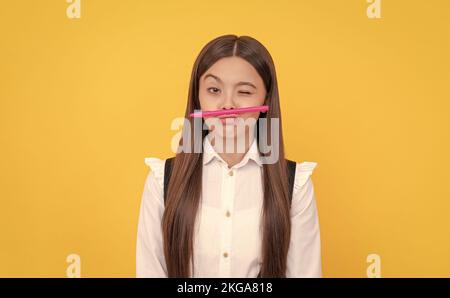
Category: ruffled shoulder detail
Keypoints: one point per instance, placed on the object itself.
(157, 167)
(303, 171)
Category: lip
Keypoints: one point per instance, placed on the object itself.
(228, 119)
(228, 116)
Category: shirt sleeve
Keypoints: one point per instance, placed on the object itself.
(150, 261)
(304, 254)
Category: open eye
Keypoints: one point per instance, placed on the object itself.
(213, 90)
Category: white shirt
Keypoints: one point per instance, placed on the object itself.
(227, 239)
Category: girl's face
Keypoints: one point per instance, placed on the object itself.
(231, 83)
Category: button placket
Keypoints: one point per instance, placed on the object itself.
(227, 202)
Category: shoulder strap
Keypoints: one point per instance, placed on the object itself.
(167, 174)
(291, 165)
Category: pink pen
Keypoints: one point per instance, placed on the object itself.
(230, 111)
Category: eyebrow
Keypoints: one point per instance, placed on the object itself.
(220, 81)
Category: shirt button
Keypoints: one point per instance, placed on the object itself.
(228, 214)
(225, 255)
(230, 173)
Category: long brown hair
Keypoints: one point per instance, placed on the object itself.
(184, 188)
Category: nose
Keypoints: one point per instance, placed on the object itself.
(228, 102)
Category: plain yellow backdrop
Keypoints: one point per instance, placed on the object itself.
(84, 101)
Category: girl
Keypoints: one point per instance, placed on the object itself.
(230, 214)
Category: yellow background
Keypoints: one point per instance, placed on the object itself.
(84, 101)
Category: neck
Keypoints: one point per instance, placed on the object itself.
(233, 158)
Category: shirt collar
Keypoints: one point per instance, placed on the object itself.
(209, 153)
